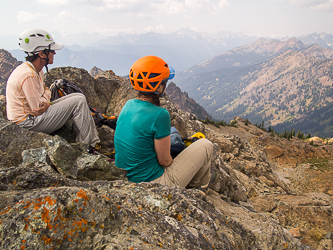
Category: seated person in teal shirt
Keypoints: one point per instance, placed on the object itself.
(142, 137)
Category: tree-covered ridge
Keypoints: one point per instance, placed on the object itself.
(284, 91)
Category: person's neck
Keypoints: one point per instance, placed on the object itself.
(38, 64)
(145, 98)
(152, 98)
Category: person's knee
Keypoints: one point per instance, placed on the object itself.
(79, 98)
(208, 145)
(77, 94)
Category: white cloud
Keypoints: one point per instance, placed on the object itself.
(66, 16)
(321, 5)
(197, 4)
(24, 16)
(328, 6)
(309, 3)
(223, 4)
(165, 6)
(171, 6)
(103, 5)
(54, 2)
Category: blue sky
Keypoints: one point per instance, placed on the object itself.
(270, 18)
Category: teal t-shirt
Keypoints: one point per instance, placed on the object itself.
(138, 124)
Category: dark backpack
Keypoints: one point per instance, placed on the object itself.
(63, 87)
(177, 144)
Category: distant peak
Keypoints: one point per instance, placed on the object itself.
(187, 29)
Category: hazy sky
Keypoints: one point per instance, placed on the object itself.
(274, 18)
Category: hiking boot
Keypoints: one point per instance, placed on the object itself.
(91, 150)
(213, 175)
(103, 151)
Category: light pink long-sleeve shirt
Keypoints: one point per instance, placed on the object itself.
(25, 92)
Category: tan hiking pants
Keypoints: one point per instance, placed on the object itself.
(190, 168)
(63, 109)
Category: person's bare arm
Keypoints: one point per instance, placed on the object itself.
(41, 110)
(162, 148)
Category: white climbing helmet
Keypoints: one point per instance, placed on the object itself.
(34, 40)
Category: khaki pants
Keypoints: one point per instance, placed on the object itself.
(63, 109)
(190, 168)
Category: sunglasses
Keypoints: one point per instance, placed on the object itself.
(49, 51)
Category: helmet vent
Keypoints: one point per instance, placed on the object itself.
(132, 82)
(145, 74)
(140, 76)
(140, 84)
(166, 65)
(154, 84)
(152, 75)
(40, 35)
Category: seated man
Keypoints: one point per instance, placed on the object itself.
(28, 99)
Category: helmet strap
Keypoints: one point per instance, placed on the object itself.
(46, 52)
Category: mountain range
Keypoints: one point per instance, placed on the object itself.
(181, 49)
(286, 84)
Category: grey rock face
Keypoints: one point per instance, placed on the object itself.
(72, 162)
(14, 140)
(54, 195)
(59, 213)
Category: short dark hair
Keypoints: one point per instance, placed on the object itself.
(31, 58)
(34, 56)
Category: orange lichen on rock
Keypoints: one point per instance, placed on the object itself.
(29, 203)
(106, 197)
(179, 217)
(82, 194)
(6, 211)
(47, 240)
(46, 218)
(50, 201)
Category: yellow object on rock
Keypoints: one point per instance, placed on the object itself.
(198, 134)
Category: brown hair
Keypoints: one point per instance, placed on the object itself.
(150, 97)
(31, 58)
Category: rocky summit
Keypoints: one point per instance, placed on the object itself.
(53, 195)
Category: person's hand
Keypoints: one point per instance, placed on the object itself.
(43, 107)
(192, 139)
(195, 139)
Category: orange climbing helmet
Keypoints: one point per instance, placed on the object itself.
(147, 73)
